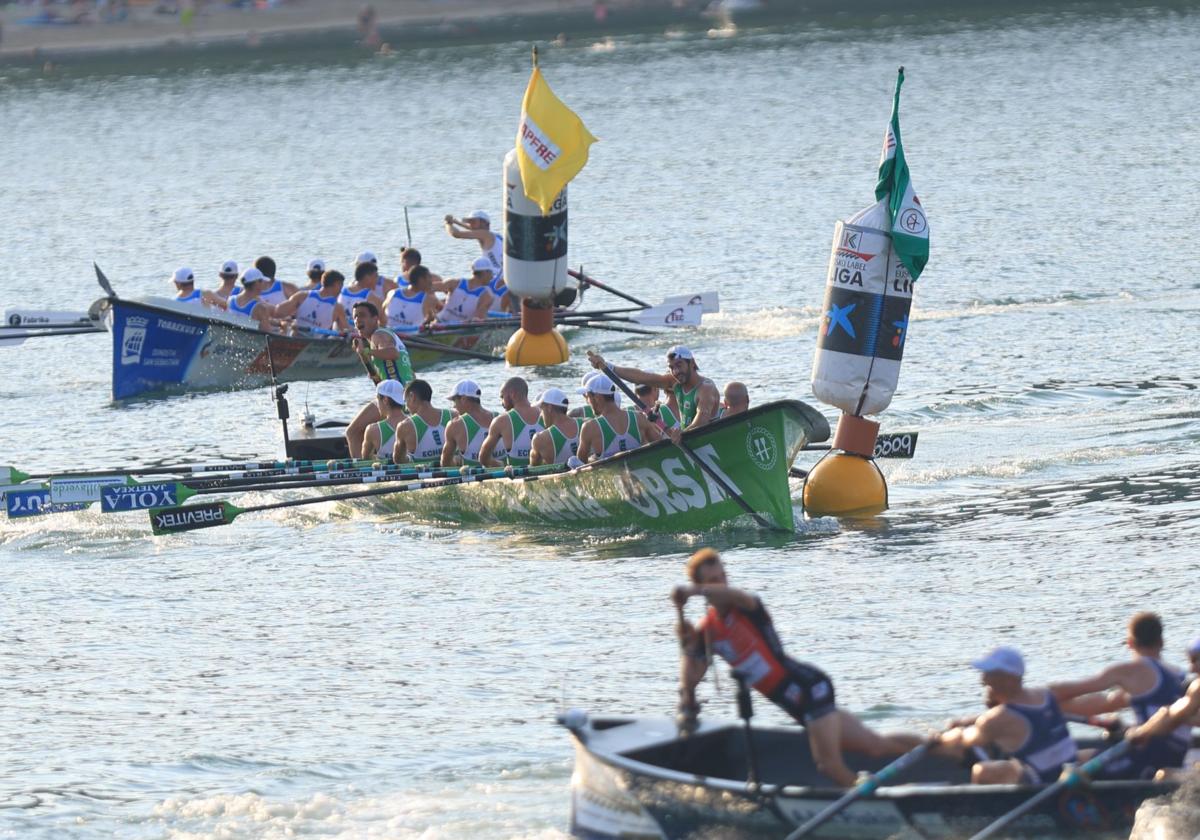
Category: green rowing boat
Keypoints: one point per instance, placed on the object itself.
(655, 488)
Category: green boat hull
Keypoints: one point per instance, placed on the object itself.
(654, 488)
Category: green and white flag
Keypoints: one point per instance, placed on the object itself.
(910, 230)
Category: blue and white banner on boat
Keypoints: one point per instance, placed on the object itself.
(34, 502)
(152, 349)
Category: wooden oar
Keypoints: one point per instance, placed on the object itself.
(175, 520)
(864, 788)
(1071, 778)
(709, 471)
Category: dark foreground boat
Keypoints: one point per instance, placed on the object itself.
(637, 778)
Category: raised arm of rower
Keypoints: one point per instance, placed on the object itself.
(487, 452)
(1168, 719)
(634, 375)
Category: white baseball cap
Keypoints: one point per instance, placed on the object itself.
(680, 352)
(588, 377)
(482, 264)
(391, 388)
(1194, 646)
(553, 396)
(598, 384)
(479, 214)
(252, 275)
(365, 256)
(1007, 660)
(467, 388)
(229, 268)
(183, 275)
(316, 265)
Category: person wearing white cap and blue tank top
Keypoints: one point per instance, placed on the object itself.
(466, 432)
(558, 441)
(315, 269)
(229, 275)
(422, 436)
(693, 398)
(383, 284)
(468, 300)
(1144, 684)
(614, 429)
(380, 439)
(317, 308)
(185, 287)
(510, 437)
(1026, 724)
(478, 226)
(249, 302)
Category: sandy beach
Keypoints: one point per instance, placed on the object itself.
(28, 36)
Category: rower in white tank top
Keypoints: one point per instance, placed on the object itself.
(406, 311)
(316, 311)
(462, 303)
(274, 295)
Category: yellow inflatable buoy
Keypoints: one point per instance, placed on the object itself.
(845, 485)
(537, 342)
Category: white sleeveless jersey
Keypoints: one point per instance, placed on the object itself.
(406, 311)
(194, 299)
(461, 304)
(495, 255)
(430, 439)
(348, 298)
(316, 311)
(613, 442)
(274, 295)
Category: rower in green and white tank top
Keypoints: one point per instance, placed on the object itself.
(522, 438)
(669, 420)
(430, 439)
(613, 442)
(387, 440)
(565, 448)
(686, 401)
(399, 368)
(475, 436)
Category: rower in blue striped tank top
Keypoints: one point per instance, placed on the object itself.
(1144, 684)
(1026, 724)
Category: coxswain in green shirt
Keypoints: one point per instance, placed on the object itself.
(385, 357)
(693, 398)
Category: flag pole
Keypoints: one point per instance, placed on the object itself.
(535, 57)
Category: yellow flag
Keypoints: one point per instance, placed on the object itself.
(552, 143)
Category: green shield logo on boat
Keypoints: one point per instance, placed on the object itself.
(762, 448)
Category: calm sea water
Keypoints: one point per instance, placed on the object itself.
(309, 675)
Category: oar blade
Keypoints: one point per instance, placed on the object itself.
(176, 520)
(103, 281)
(665, 315)
(12, 341)
(44, 319)
(12, 475)
(709, 302)
(125, 498)
(35, 501)
(71, 490)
